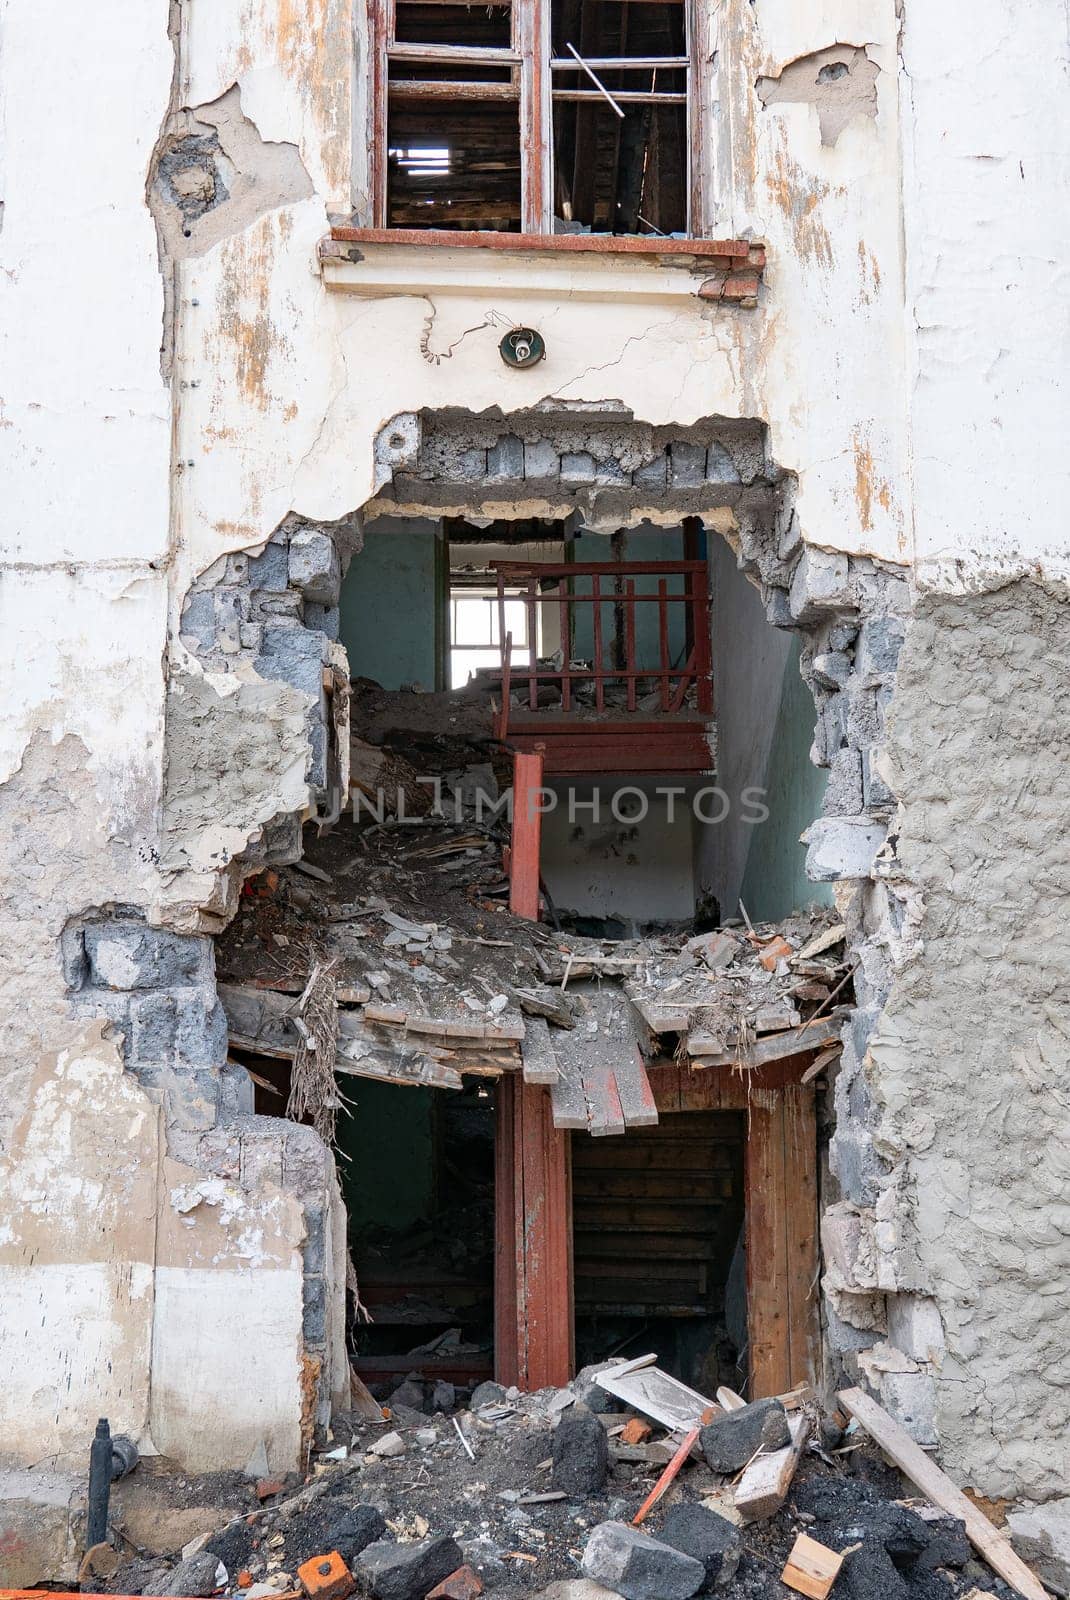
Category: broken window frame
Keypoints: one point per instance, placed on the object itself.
(534, 86)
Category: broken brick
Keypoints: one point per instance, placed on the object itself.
(712, 288)
(326, 1577)
(266, 1487)
(636, 1431)
(776, 950)
(464, 1584)
(741, 286)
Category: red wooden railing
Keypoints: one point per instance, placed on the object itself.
(617, 586)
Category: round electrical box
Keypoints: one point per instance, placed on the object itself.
(522, 347)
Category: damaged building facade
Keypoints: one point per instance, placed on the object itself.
(351, 316)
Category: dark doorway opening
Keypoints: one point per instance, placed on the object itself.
(417, 1174)
(657, 1224)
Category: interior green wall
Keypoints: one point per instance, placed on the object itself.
(387, 1167)
(639, 544)
(391, 617)
(775, 882)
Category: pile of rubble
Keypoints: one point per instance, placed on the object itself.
(577, 1495)
(433, 977)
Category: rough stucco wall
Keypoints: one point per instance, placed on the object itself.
(969, 1063)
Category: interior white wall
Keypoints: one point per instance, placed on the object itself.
(640, 869)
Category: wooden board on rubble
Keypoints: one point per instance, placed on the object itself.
(567, 1100)
(935, 1484)
(537, 1053)
(763, 1488)
(636, 1095)
(773, 1047)
(605, 1114)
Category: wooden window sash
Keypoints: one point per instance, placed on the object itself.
(531, 80)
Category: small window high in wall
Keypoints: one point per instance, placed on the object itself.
(537, 116)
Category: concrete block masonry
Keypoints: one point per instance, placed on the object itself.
(158, 988)
(842, 847)
(434, 459)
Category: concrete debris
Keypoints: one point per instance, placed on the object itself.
(1041, 1536)
(202, 1574)
(391, 1444)
(730, 1441)
(640, 1567)
(707, 1537)
(580, 1453)
(408, 1571)
(435, 978)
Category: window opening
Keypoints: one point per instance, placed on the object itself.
(569, 116)
(620, 127)
(475, 631)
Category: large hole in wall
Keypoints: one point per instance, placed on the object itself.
(582, 610)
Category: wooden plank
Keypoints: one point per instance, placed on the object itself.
(772, 1048)
(900, 1448)
(548, 1331)
(636, 1095)
(537, 1053)
(765, 1226)
(567, 1099)
(527, 826)
(661, 1017)
(811, 1568)
(687, 1444)
(563, 243)
(441, 89)
(763, 1488)
(506, 1309)
(799, 1114)
(605, 1115)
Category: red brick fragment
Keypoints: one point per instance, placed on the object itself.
(266, 1487)
(326, 1577)
(742, 286)
(636, 1431)
(464, 1584)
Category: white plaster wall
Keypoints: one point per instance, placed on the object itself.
(987, 233)
(748, 658)
(639, 870)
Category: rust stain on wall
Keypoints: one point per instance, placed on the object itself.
(310, 1377)
(313, 44)
(245, 319)
(869, 489)
(799, 195)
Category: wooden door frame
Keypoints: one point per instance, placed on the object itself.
(534, 1324)
(533, 1285)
